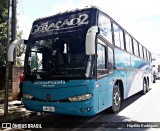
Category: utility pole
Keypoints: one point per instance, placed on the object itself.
(13, 29)
(13, 37)
(7, 64)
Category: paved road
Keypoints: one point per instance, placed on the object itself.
(138, 108)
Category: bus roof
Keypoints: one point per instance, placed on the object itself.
(81, 10)
(68, 11)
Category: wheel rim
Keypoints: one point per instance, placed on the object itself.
(116, 100)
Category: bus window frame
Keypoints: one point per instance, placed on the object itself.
(127, 37)
(121, 38)
(141, 51)
(111, 26)
(106, 44)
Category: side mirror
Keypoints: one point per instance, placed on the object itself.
(90, 40)
(12, 46)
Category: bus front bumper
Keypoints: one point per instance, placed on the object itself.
(82, 108)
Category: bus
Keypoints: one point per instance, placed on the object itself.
(82, 62)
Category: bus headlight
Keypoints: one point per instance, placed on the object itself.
(80, 98)
(27, 96)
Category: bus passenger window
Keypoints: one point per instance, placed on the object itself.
(101, 60)
(135, 44)
(129, 47)
(110, 60)
(118, 36)
(104, 24)
(141, 51)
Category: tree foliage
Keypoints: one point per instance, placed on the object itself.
(3, 39)
(3, 10)
(3, 19)
(3, 31)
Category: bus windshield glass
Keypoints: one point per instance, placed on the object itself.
(57, 58)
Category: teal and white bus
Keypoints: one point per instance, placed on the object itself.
(82, 62)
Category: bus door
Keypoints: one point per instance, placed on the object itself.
(104, 75)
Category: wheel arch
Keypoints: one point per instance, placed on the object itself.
(119, 82)
(145, 79)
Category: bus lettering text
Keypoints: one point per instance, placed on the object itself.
(49, 83)
(44, 27)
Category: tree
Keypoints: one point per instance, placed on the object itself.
(3, 31)
(3, 19)
(3, 38)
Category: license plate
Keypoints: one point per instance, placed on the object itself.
(48, 108)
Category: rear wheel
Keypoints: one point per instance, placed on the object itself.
(147, 86)
(116, 99)
(144, 91)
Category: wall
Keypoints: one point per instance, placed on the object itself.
(15, 81)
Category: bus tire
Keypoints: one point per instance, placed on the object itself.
(116, 99)
(144, 91)
(147, 90)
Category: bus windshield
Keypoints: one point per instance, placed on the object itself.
(57, 58)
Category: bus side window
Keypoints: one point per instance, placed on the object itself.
(101, 60)
(118, 36)
(110, 60)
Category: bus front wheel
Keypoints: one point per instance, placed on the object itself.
(116, 99)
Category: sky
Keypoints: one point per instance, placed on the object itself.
(141, 18)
